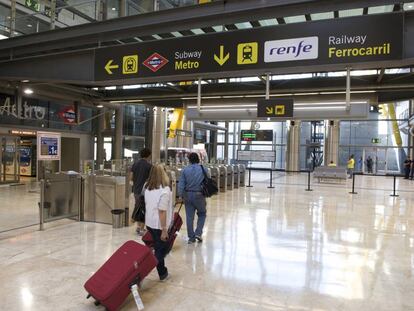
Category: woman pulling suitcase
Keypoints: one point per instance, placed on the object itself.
(158, 214)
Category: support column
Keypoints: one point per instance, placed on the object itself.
(159, 135)
(12, 17)
(52, 14)
(331, 152)
(100, 138)
(292, 146)
(411, 137)
(213, 141)
(226, 141)
(188, 142)
(156, 5)
(122, 8)
(119, 125)
(100, 10)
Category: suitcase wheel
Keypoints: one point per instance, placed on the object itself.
(97, 303)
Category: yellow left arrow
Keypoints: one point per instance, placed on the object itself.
(109, 67)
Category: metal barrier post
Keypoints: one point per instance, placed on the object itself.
(127, 194)
(271, 179)
(393, 192)
(353, 184)
(250, 176)
(42, 204)
(82, 199)
(309, 178)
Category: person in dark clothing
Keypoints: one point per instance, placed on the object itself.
(189, 189)
(369, 164)
(139, 174)
(412, 169)
(407, 167)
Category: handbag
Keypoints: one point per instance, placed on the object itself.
(139, 210)
(208, 185)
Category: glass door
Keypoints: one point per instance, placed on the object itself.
(10, 160)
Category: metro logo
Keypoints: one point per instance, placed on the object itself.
(291, 49)
(155, 62)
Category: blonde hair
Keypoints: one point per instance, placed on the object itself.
(157, 178)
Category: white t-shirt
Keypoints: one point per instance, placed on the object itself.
(155, 200)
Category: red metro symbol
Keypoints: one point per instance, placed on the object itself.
(155, 62)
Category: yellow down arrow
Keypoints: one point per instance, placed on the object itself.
(269, 110)
(109, 67)
(223, 58)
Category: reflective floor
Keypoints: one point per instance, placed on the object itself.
(264, 249)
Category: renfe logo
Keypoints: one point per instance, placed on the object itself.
(291, 49)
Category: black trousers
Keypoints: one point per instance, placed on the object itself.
(160, 250)
(407, 172)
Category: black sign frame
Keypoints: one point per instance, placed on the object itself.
(345, 41)
(277, 108)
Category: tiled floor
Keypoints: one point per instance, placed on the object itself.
(264, 249)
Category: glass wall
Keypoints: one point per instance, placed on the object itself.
(134, 129)
(235, 143)
(380, 138)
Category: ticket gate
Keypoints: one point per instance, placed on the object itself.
(215, 174)
(177, 173)
(242, 174)
(230, 177)
(223, 178)
(236, 171)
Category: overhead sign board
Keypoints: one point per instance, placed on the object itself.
(275, 108)
(337, 41)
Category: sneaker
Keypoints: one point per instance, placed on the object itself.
(164, 276)
(199, 239)
(191, 241)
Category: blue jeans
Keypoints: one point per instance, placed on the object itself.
(160, 250)
(195, 201)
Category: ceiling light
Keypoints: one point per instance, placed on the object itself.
(126, 101)
(229, 109)
(25, 81)
(113, 9)
(322, 108)
(29, 25)
(100, 106)
(28, 91)
(224, 106)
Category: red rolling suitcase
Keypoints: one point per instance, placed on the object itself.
(172, 231)
(129, 265)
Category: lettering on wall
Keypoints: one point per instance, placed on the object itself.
(22, 110)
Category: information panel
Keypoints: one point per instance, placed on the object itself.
(256, 155)
(257, 135)
(48, 146)
(336, 41)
